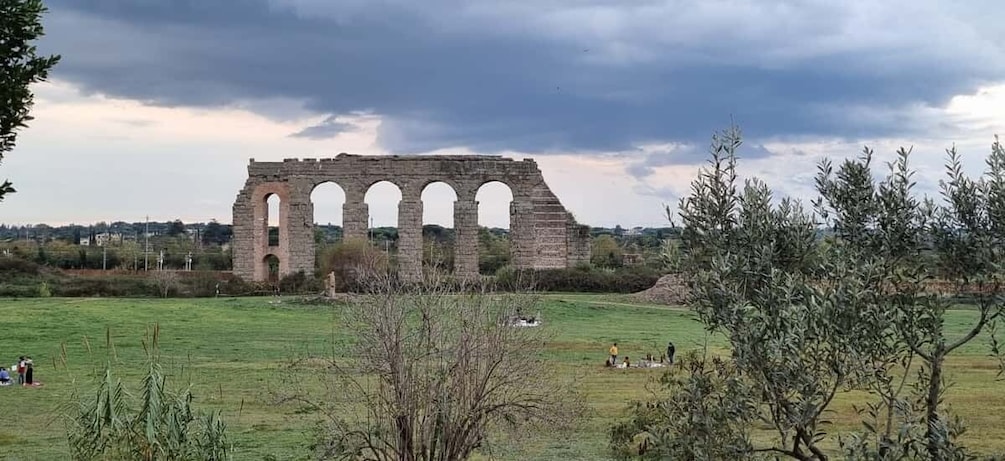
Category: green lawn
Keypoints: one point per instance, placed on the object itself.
(233, 351)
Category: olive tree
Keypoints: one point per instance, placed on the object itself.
(20, 66)
(936, 256)
(850, 295)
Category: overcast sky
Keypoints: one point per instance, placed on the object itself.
(157, 105)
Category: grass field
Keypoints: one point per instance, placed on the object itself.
(233, 349)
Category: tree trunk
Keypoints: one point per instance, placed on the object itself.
(934, 444)
(406, 450)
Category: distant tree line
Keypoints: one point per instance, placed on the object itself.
(208, 233)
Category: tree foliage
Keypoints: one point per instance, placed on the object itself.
(702, 413)
(20, 66)
(849, 296)
(351, 262)
(605, 252)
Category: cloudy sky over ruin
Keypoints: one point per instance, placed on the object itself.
(158, 104)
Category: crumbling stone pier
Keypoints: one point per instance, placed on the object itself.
(542, 233)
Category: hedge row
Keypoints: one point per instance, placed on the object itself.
(20, 278)
(580, 279)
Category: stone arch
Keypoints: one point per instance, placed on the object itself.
(273, 203)
(328, 199)
(492, 193)
(382, 198)
(495, 215)
(441, 191)
(266, 218)
(438, 199)
(264, 241)
(371, 181)
(271, 267)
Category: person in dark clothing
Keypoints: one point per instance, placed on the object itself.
(29, 372)
(670, 352)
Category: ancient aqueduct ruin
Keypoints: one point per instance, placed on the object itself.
(542, 233)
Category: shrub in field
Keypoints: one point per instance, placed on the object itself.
(43, 290)
(300, 283)
(12, 265)
(352, 261)
(166, 282)
(430, 374)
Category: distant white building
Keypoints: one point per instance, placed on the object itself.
(107, 238)
(102, 239)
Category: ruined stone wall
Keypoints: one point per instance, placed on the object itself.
(578, 242)
(542, 233)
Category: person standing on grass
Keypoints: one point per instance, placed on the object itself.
(670, 352)
(28, 372)
(614, 354)
(20, 370)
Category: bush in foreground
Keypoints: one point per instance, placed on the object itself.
(430, 374)
(154, 423)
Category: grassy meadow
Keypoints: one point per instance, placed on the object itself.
(233, 352)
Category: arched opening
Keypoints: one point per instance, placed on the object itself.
(438, 226)
(382, 200)
(272, 218)
(327, 199)
(495, 200)
(271, 264)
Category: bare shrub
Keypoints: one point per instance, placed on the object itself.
(431, 374)
(167, 281)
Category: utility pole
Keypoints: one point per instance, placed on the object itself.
(104, 257)
(146, 243)
(136, 256)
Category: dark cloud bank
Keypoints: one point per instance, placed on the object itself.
(438, 84)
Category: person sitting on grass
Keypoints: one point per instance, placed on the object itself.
(4, 377)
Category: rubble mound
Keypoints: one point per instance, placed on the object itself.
(669, 290)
